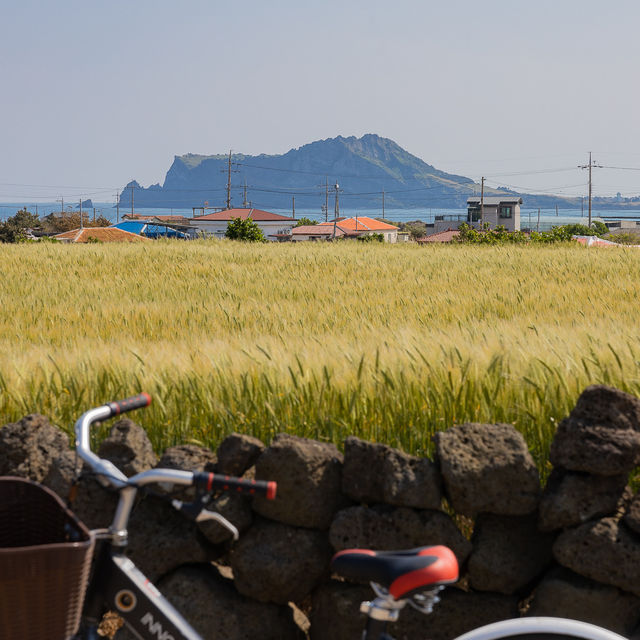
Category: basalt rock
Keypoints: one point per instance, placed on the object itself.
(92, 503)
(335, 613)
(487, 468)
(384, 527)
(604, 550)
(237, 452)
(308, 474)
(375, 472)
(186, 457)
(632, 517)
(128, 447)
(29, 447)
(571, 498)
(236, 509)
(601, 434)
(216, 610)
(508, 553)
(564, 594)
(274, 562)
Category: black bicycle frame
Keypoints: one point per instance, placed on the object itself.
(118, 585)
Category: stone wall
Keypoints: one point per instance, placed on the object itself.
(569, 549)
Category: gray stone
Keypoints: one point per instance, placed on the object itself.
(160, 539)
(308, 474)
(409, 481)
(508, 553)
(274, 562)
(335, 614)
(487, 468)
(571, 498)
(237, 452)
(93, 504)
(236, 509)
(564, 594)
(632, 517)
(601, 434)
(604, 550)
(375, 473)
(362, 479)
(128, 447)
(186, 457)
(29, 447)
(216, 610)
(385, 528)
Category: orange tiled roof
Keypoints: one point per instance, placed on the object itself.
(254, 214)
(363, 223)
(442, 236)
(103, 234)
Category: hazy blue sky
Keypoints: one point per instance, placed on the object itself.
(97, 93)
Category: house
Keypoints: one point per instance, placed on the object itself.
(315, 232)
(146, 228)
(441, 236)
(495, 210)
(364, 226)
(274, 226)
(99, 234)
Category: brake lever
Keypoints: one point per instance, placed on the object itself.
(195, 511)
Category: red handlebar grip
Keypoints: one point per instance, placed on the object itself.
(129, 404)
(215, 481)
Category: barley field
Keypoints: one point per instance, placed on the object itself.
(390, 343)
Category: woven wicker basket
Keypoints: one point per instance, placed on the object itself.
(45, 558)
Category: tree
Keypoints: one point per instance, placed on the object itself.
(246, 230)
(16, 228)
(303, 222)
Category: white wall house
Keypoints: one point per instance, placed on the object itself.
(274, 226)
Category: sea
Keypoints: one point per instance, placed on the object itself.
(541, 220)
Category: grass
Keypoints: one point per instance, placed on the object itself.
(390, 343)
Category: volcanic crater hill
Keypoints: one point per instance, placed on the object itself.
(363, 167)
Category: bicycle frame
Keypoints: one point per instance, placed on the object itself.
(118, 585)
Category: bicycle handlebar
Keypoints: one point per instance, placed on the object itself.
(129, 404)
(212, 481)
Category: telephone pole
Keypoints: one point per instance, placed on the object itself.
(336, 210)
(81, 223)
(131, 200)
(293, 206)
(117, 208)
(229, 171)
(590, 166)
(383, 204)
(244, 200)
(482, 204)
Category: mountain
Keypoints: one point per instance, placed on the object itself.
(363, 168)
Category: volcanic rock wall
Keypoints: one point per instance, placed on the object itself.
(569, 549)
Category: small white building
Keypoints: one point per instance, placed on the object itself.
(274, 226)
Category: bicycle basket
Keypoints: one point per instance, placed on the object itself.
(45, 558)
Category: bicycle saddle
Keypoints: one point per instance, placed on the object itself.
(400, 572)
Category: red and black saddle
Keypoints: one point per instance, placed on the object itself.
(401, 572)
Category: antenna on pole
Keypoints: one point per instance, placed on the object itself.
(590, 166)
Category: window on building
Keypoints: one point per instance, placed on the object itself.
(506, 212)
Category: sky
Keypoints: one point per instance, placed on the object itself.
(95, 94)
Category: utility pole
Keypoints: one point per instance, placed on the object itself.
(293, 205)
(131, 200)
(383, 204)
(538, 225)
(244, 200)
(326, 198)
(81, 223)
(336, 210)
(590, 166)
(229, 171)
(117, 208)
(482, 204)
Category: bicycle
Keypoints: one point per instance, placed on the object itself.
(93, 575)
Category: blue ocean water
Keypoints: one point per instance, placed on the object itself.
(528, 217)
